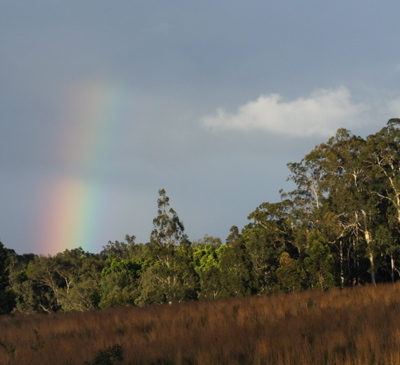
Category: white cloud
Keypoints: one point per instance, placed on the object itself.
(320, 114)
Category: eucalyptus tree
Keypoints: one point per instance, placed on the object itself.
(348, 207)
(270, 233)
(39, 286)
(309, 216)
(333, 197)
(68, 281)
(305, 203)
(168, 232)
(172, 277)
(382, 158)
(235, 266)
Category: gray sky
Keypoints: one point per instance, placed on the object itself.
(103, 103)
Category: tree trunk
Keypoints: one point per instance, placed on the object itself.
(392, 266)
(372, 267)
(341, 264)
(368, 240)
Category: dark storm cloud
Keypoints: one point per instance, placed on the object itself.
(172, 64)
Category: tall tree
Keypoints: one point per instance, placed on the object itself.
(335, 196)
(382, 159)
(168, 230)
(172, 277)
(235, 266)
(347, 210)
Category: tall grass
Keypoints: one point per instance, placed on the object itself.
(350, 326)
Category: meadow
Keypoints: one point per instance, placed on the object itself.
(355, 326)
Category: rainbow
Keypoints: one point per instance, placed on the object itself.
(74, 201)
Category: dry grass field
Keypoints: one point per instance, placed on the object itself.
(355, 326)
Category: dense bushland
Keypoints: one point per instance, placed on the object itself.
(340, 227)
(357, 325)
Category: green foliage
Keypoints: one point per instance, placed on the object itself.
(120, 277)
(69, 281)
(7, 296)
(168, 229)
(291, 276)
(122, 250)
(171, 278)
(235, 268)
(174, 281)
(319, 263)
(207, 254)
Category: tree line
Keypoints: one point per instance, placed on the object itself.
(339, 227)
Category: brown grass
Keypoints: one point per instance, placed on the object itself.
(353, 326)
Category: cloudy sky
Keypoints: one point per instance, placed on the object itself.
(102, 103)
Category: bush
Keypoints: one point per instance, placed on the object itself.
(108, 356)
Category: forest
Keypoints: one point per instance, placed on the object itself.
(339, 228)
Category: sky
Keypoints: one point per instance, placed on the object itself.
(103, 103)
